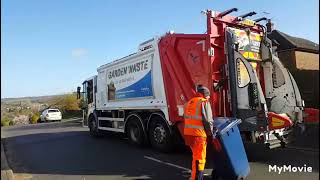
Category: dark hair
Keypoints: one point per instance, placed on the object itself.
(203, 90)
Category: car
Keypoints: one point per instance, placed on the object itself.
(51, 115)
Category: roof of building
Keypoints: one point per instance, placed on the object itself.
(288, 42)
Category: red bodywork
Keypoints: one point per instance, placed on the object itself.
(186, 62)
(311, 116)
(184, 65)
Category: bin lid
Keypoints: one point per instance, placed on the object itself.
(224, 124)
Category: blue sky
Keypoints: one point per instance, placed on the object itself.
(49, 47)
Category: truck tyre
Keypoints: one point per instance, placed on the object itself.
(159, 134)
(93, 127)
(135, 131)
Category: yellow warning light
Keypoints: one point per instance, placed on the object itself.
(277, 122)
(248, 22)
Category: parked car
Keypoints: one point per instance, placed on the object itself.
(51, 115)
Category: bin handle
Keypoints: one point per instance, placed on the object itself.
(232, 123)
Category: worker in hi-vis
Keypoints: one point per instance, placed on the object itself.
(198, 125)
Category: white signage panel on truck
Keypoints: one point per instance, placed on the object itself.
(133, 82)
(130, 80)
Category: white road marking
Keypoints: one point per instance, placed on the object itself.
(166, 163)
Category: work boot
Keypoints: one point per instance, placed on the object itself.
(199, 175)
(302, 127)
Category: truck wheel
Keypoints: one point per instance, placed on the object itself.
(159, 135)
(135, 131)
(93, 127)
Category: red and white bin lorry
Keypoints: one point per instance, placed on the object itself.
(143, 94)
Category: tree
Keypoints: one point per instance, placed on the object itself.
(67, 102)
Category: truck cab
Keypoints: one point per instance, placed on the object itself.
(89, 87)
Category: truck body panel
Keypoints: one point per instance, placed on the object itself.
(133, 82)
(184, 61)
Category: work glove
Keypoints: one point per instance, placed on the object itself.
(214, 132)
(215, 140)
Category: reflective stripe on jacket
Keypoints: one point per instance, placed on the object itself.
(193, 124)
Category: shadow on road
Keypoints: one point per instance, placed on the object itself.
(304, 149)
(308, 139)
(43, 125)
(283, 156)
(76, 153)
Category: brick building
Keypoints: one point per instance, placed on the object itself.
(301, 57)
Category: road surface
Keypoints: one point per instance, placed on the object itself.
(65, 150)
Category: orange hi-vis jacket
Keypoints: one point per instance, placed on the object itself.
(193, 123)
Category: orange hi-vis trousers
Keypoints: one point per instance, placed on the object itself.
(198, 146)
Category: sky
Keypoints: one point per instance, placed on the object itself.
(50, 47)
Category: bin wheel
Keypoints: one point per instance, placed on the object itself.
(240, 178)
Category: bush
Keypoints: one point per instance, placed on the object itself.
(67, 102)
(11, 123)
(72, 114)
(6, 122)
(34, 118)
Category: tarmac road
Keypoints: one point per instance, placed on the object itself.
(66, 151)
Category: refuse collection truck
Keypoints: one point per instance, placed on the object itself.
(143, 94)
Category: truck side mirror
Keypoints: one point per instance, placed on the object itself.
(78, 92)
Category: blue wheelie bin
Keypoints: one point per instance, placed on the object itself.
(229, 155)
